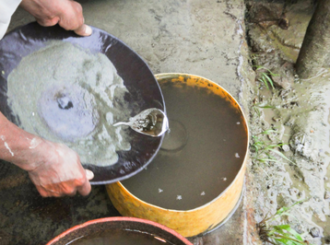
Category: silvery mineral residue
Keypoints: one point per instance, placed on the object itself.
(65, 94)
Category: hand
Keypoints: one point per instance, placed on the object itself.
(59, 172)
(68, 14)
(54, 168)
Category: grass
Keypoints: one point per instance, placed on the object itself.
(265, 151)
(257, 108)
(265, 76)
(280, 234)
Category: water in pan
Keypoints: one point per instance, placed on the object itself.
(194, 174)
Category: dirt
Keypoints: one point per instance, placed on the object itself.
(294, 115)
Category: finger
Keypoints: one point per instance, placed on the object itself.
(71, 17)
(48, 22)
(55, 194)
(48, 193)
(85, 189)
(71, 193)
(89, 174)
(84, 30)
(68, 188)
(42, 191)
(53, 191)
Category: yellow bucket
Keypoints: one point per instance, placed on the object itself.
(195, 221)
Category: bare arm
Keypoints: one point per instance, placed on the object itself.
(54, 168)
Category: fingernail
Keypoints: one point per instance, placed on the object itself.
(88, 30)
(89, 174)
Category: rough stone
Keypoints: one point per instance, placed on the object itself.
(285, 78)
(327, 195)
(315, 232)
(265, 14)
(285, 148)
(299, 228)
(304, 145)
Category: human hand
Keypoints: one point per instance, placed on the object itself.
(58, 171)
(67, 13)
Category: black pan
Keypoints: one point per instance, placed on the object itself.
(139, 80)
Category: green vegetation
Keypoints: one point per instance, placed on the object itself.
(265, 76)
(257, 108)
(264, 151)
(280, 234)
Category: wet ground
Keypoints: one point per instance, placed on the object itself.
(290, 122)
(189, 36)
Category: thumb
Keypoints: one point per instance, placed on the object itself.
(89, 174)
(84, 30)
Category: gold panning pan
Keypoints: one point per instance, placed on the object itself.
(195, 182)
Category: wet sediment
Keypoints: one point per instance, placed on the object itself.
(290, 119)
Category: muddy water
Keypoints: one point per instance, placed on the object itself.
(121, 237)
(208, 162)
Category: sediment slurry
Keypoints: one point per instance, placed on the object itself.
(68, 95)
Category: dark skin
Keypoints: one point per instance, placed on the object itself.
(54, 168)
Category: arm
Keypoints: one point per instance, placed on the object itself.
(54, 168)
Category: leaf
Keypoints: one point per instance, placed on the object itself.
(262, 80)
(285, 241)
(270, 80)
(267, 107)
(270, 72)
(292, 231)
(281, 155)
(262, 67)
(288, 239)
(267, 160)
(268, 131)
(282, 234)
(257, 111)
(271, 147)
(282, 210)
